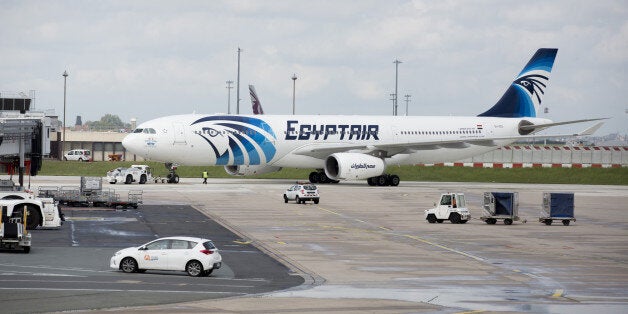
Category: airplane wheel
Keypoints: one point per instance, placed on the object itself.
(371, 181)
(394, 180)
(314, 178)
(381, 180)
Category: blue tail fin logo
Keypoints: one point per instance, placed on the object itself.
(523, 97)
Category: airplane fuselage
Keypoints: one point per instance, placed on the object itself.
(293, 141)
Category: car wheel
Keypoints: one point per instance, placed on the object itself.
(128, 265)
(285, 198)
(113, 182)
(26, 249)
(65, 159)
(316, 201)
(297, 199)
(80, 159)
(431, 218)
(507, 221)
(194, 268)
(454, 218)
(143, 179)
(129, 179)
(565, 222)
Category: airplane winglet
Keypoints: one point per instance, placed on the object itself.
(591, 130)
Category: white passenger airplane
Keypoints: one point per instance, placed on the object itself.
(347, 147)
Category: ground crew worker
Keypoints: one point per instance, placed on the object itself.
(205, 175)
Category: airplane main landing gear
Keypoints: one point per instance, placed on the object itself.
(172, 176)
(384, 180)
(319, 176)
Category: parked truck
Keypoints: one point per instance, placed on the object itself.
(13, 221)
(500, 206)
(452, 207)
(557, 206)
(136, 173)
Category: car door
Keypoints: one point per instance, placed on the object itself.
(444, 207)
(179, 254)
(291, 193)
(154, 255)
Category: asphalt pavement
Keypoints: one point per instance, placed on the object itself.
(68, 269)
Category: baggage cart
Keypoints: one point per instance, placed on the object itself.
(557, 206)
(500, 206)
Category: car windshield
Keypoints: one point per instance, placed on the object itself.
(209, 245)
(309, 187)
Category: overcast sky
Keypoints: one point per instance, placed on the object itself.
(146, 59)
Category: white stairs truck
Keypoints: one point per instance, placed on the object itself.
(452, 207)
(136, 173)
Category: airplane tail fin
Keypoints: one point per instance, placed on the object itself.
(523, 97)
(257, 105)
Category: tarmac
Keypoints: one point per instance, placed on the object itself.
(369, 249)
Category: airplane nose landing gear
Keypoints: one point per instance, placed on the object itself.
(172, 177)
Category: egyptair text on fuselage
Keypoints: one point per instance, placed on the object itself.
(304, 132)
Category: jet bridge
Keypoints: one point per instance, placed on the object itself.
(24, 138)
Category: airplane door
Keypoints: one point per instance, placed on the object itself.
(179, 134)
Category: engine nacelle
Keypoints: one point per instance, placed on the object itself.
(353, 166)
(250, 170)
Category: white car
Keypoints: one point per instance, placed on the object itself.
(302, 192)
(78, 154)
(196, 256)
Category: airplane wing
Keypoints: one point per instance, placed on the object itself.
(322, 150)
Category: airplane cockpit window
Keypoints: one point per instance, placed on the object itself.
(149, 131)
(138, 130)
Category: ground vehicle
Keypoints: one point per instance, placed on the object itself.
(452, 207)
(557, 206)
(42, 211)
(301, 193)
(13, 234)
(78, 154)
(135, 173)
(500, 205)
(196, 256)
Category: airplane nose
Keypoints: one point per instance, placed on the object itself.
(128, 143)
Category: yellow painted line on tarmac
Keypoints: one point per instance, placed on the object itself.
(384, 228)
(444, 247)
(242, 242)
(329, 211)
(471, 312)
(558, 293)
(281, 242)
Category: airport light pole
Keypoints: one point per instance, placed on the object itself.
(229, 87)
(238, 87)
(294, 83)
(65, 76)
(396, 62)
(407, 96)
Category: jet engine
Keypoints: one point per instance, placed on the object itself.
(250, 170)
(353, 166)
